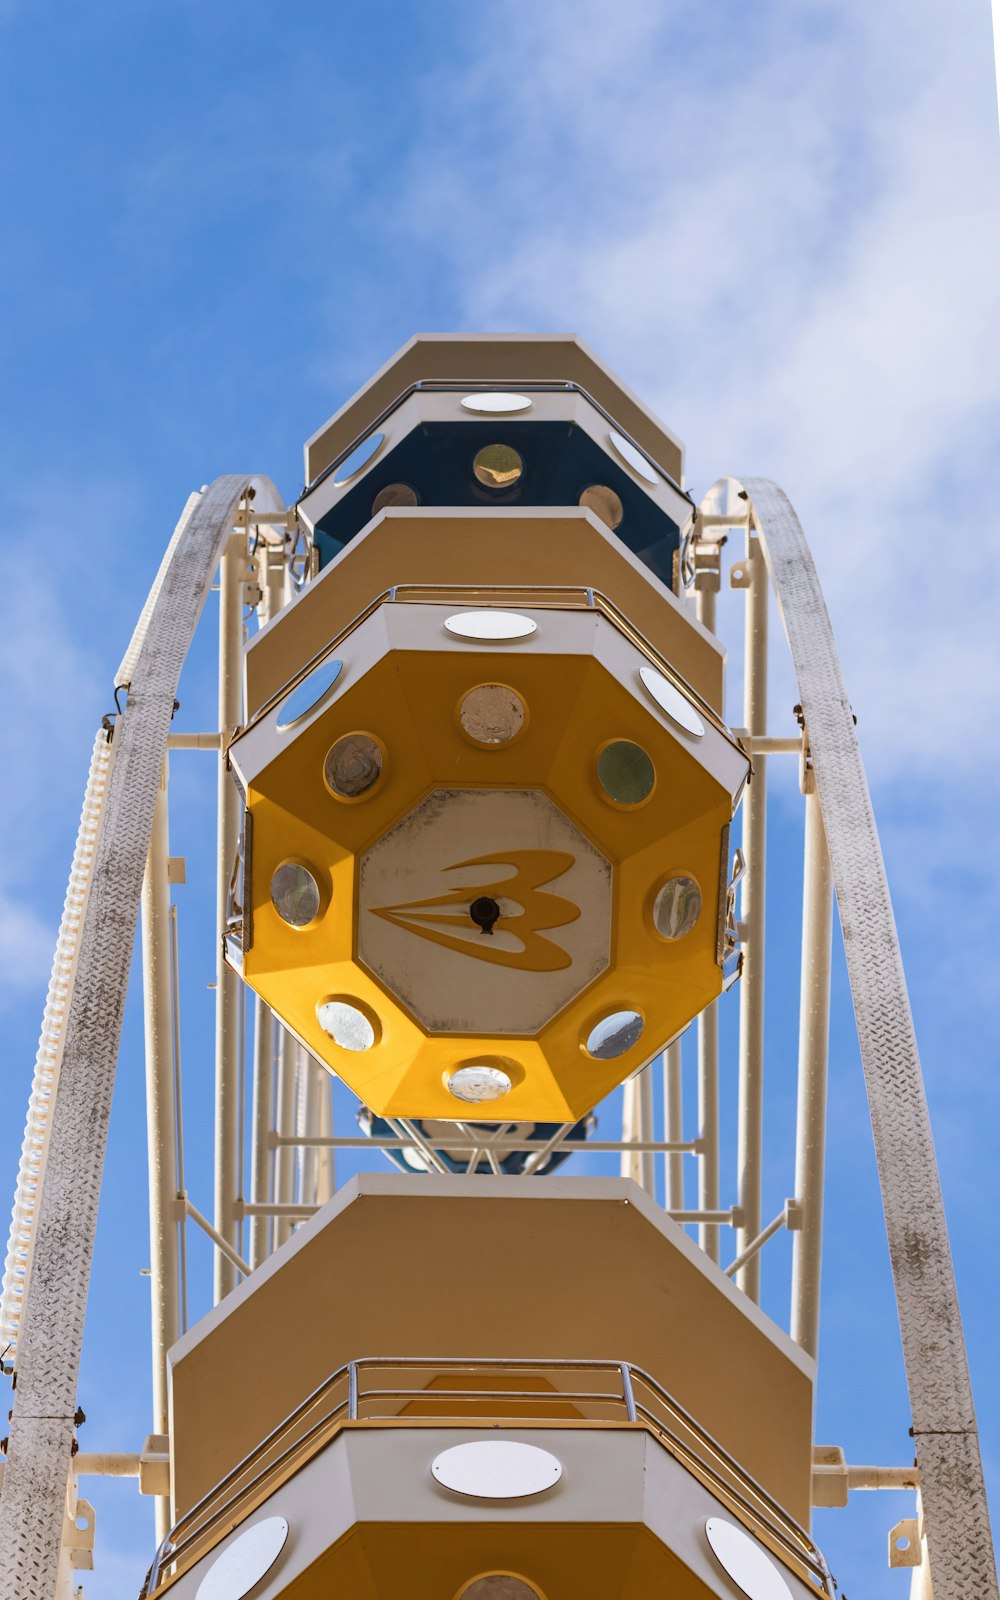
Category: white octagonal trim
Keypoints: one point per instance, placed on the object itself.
(496, 1469)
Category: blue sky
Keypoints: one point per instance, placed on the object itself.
(779, 224)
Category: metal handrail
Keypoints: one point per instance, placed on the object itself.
(700, 1453)
(449, 386)
(540, 597)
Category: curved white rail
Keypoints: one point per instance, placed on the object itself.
(52, 1314)
(953, 1495)
(48, 1060)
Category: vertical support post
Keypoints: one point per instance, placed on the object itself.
(673, 1124)
(306, 1111)
(271, 568)
(228, 983)
(262, 1155)
(707, 581)
(284, 1163)
(814, 1050)
(324, 1157)
(637, 1123)
(751, 1050)
(270, 561)
(161, 1122)
(708, 1127)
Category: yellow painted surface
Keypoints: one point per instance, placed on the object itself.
(563, 1561)
(408, 700)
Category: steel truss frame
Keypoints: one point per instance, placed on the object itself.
(293, 1140)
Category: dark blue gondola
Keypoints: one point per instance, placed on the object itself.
(512, 1163)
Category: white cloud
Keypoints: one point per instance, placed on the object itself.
(787, 242)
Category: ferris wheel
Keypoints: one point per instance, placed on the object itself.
(492, 860)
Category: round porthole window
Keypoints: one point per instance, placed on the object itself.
(478, 1083)
(500, 1586)
(604, 503)
(614, 1035)
(677, 907)
(394, 494)
(353, 765)
(491, 714)
(626, 772)
(295, 894)
(497, 466)
(347, 1025)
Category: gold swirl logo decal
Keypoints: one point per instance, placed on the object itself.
(525, 911)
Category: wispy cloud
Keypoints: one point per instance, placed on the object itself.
(790, 248)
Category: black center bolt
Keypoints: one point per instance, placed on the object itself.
(484, 912)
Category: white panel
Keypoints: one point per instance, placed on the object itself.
(746, 1562)
(496, 1469)
(244, 1563)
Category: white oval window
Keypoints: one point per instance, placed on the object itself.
(496, 1469)
(490, 625)
(359, 457)
(314, 688)
(746, 1562)
(632, 457)
(677, 707)
(495, 402)
(244, 1563)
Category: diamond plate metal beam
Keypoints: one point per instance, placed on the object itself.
(956, 1516)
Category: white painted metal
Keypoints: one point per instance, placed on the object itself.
(751, 1066)
(745, 1561)
(244, 1562)
(637, 1125)
(48, 1059)
(953, 1495)
(708, 1126)
(41, 1431)
(671, 702)
(814, 1049)
(673, 1123)
(324, 1170)
(491, 625)
(706, 591)
(228, 990)
(262, 1157)
(284, 1164)
(496, 402)
(633, 457)
(496, 1469)
(161, 1124)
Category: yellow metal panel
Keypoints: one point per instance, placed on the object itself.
(579, 684)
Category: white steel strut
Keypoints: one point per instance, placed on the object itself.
(953, 1495)
(292, 1136)
(51, 1334)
